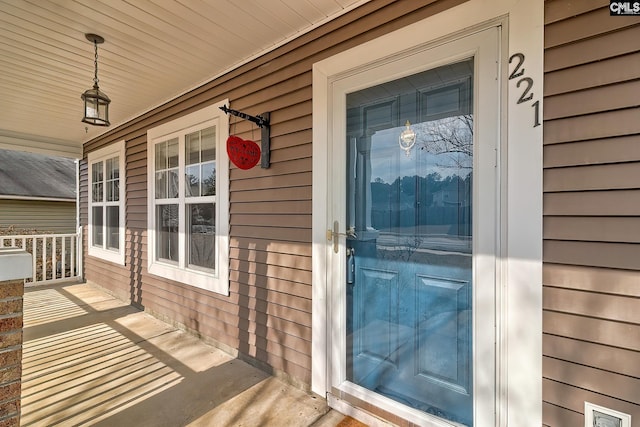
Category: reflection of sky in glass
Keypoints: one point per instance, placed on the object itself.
(442, 146)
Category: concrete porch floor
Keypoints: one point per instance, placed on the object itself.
(90, 359)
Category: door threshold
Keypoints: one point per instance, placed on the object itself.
(380, 411)
(354, 412)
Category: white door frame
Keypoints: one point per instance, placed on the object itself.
(518, 378)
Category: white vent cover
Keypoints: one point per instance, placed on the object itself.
(598, 416)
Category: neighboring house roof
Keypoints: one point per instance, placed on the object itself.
(36, 176)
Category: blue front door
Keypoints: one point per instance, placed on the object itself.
(409, 206)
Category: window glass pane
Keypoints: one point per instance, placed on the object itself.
(112, 168)
(167, 169)
(209, 179)
(161, 155)
(96, 172)
(96, 223)
(172, 153)
(167, 232)
(113, 227)
(96, 192)
(113, 190)
(97, 185)
(192, 183)
(192, 148)
(161, 185)
(208, 144)
(201, 233)
(172, 184)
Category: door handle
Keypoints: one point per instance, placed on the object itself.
(335, 235)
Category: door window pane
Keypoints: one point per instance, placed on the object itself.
(201, 233)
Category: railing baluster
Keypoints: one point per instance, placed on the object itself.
(54, 258)
(44, 258)
(63, 268)
(34, 242)
(72, 271)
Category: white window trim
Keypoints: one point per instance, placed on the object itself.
(519, 292)
(116, 149)
(217, 281)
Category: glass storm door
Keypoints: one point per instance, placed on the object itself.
(415, 173)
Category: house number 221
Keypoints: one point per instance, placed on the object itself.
(526, 83)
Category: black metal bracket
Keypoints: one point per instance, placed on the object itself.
(263, 122)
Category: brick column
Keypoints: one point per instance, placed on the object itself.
(11, 292)
(15, 266)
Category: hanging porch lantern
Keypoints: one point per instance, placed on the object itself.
(96, 102)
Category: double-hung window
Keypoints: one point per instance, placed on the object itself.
(106, 202)
(188, 200)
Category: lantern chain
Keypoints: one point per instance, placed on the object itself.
(95, 78)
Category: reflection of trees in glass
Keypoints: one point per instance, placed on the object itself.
(192, 185)
(209, 184)
(452, 136)
(441, 203)
(424, 188)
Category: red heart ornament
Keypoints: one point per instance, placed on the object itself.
(244, 154)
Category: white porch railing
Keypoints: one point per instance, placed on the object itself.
(56, 257)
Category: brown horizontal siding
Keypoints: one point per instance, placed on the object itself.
(596, 305)
(597, 151)
(555, 415)
(604, 280)
(591, 248)
(274, 207)
(624, 387)
(605, 358)
(592, 23)
(605, 332)
(599, 177)
(559, 10)
(593, 126)
(595, 254)
(591, 50)
(593, 229)
(570, 403)
(302, 179)
(595, 100)
(593, 74)
(593, 203)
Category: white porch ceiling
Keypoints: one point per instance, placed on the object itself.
(154, 50)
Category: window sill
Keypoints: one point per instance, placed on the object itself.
(103, 254)
(203, 280)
